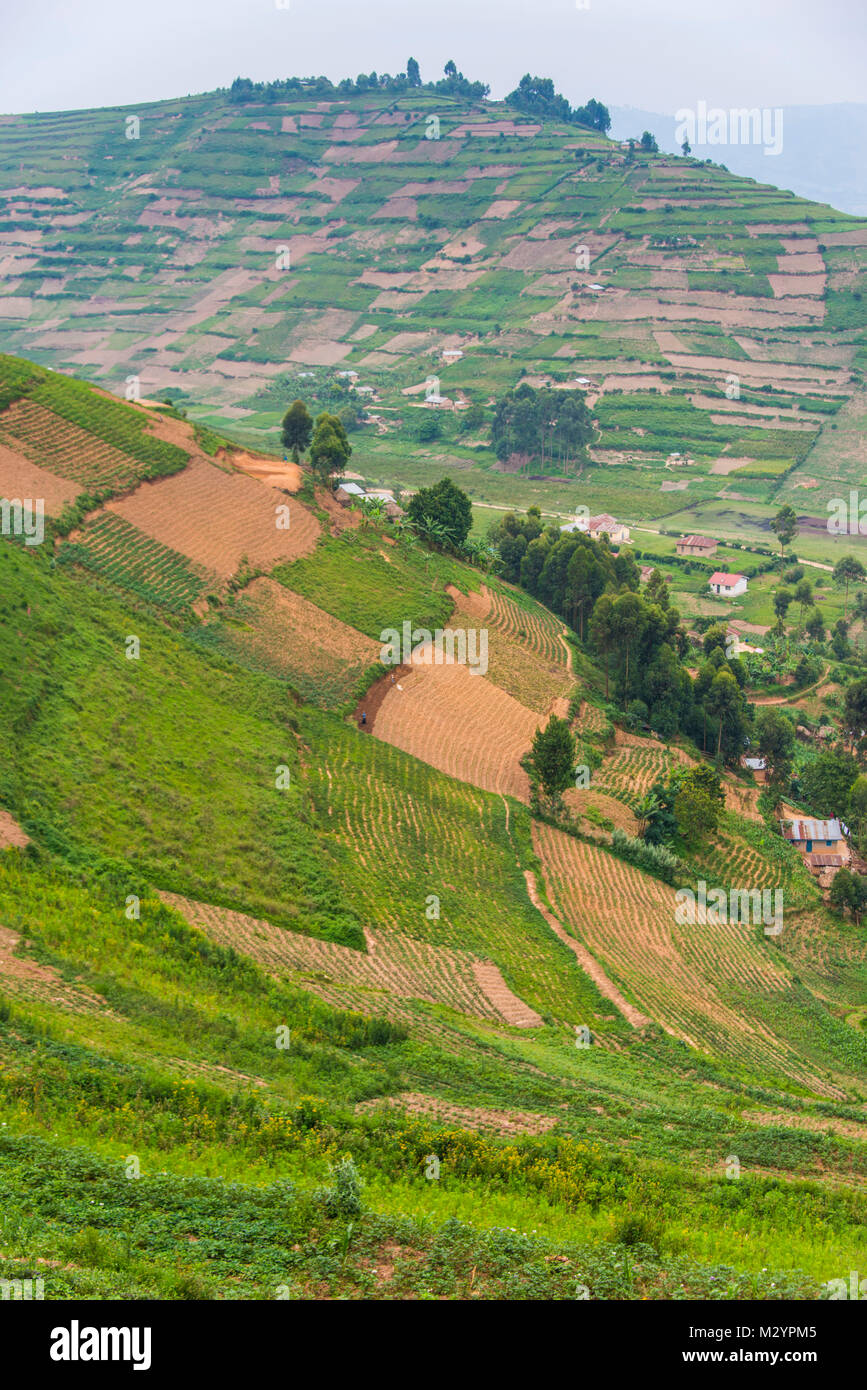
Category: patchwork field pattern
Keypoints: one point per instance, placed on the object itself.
(405, 843)
(394, 964)
(718, 987)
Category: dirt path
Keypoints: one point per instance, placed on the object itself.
(790, 699)
(590, 966)
(568, 649)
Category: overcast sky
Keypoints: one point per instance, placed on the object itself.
(657, 54)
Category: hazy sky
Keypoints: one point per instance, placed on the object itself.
(658, 54)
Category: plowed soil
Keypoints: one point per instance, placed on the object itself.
(216, 518)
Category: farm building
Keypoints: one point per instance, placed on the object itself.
(596, 525)
(349, 492)
(822, 843)
(727, 585)
(696, 545)
(757, 766)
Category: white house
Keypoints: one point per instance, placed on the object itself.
(594, 527)
(727, 585)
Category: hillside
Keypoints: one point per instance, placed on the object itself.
(244, 939)
(234, 255)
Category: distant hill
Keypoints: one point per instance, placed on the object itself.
(824, 153)
(233, 254)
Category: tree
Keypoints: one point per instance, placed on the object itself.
(855, 713)
(628, 619)
(686, 149)
(329, 449)
(857, 810)
(775, 739)
(785, 526)
(848, 891)
(446, 504)
(725, 702)
(450, 68)
(803, 597)
(602, 630)
(413, 74)
(827, 782)
(645, 810)
(698, 801)
(848, 571)
(816, 625)
(783, 599)
(297, 429)
(553, 757)
(840, 640)
(648, 143)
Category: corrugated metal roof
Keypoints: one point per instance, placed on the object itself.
(812, 829)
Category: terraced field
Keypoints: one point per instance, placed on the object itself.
(405, 843)
(535, 629)
(462, 724)
(394, 964)
(515, 662)
(464, 1116)
(63, 448)
(272, 629)
(238, 519)
(631, 769)
(112, 547)
(718, 987)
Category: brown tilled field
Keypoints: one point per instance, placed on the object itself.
(683, 976)
(393, 965)
(216, 518)
(515, 664)
(462, 724)
(60, 447)
(463, 1116)
(26, 979)
(289, 635)
(21, 478)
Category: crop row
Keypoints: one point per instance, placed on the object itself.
(113, 548)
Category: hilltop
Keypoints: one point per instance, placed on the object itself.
(249, 246)
(254, 953)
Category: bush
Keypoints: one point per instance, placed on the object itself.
(654, 859)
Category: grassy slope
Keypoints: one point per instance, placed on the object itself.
(200, 815)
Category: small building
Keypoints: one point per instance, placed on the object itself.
(380, 494)
(696, 545)
(348, 493)
(757, 766)
(646, 572)
(452, 354)
(727, 585)
(393, 511)
(594, 527)
(822, 843)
